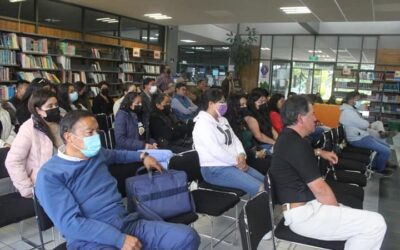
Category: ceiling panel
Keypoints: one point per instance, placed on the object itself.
(326, 11)
(357, 10)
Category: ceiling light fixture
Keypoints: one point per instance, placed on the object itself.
(187, 41)
(107, 20)
(199, 48)
(52, 20)
(16, 1)
(265, 49)
(296, 10)
(157, 16)
(316, 51)
(225, 48)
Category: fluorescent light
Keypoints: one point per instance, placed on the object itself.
(103, 19)
(316, 51)
(107, 20)
(265, 49)
(199, 48)
(52, 20)
(296, 10)
(157, 16)
(112, 21)
(16, 1)
(153, 38)
(225, 47)
(187, 41)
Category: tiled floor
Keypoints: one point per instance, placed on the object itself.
(380, 195)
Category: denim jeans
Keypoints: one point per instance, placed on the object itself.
(161, 155)
(268, 147)
(382, 150)
(152, 235)
(232, 177)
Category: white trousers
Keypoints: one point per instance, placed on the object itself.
(359, 228)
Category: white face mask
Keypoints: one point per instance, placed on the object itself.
(153, 89)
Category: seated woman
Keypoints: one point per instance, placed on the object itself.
(68, 98)
(127, 130)
(7, 134)
(83, 94)
(36, 142)
(165, 127)
(275, 104)
(103, 103)
(258, 122)
(222, 156)
(256, 156)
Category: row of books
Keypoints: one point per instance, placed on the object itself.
(29, 44)
(7, 92)
(95, 53)
(391, 98)
(127, 67)
(67, 48)
(391, 87)
(68, 76)
(370, 75)
(29, 76)
(9, 40)
(36, 62)
(4, 74)
(96, 66)
(8, 57)
(96, 77)
(152, 69)
(125, 54)
(65, 62)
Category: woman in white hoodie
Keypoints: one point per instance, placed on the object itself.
(222, 156)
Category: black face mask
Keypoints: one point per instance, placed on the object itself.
(168, 71)
(263, 108)
(243, 111)
(104, 92)
(137, 109)
(167, 109)
(53, 115)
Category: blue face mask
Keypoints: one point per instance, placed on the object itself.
(91, 145)
(73, 96)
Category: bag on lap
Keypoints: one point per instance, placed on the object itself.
(159, 196)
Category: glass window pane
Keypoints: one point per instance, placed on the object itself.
(302, 74)
(266, 42)
(303, 48)
(59, 15)
(10, 9)
(263, 74)
(155, 33)
(323, 79)
(101, 23)
(134, 29)
(282, 47)
(326, 46)
(389, 42)
(280, 77)
(369, 49)
(349, 49)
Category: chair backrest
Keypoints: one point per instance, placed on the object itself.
(102, 120)
(111, 137)
(3, 156)
(42, 219)
(328, 146)
(103, 138)
(341, 134)
(255, 221)
(110, 120)
(189, 162)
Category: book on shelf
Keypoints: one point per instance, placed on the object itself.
(31, 45)
(67, 48)
(97, 77)
(95, 53)
(36, 62)
(65, 62)
(127, 67)
(29, 76)
(96, 66)
(152, 69)
(9, 40)
(4, 74)
(7, 92)
(8, 57)
(125, 54)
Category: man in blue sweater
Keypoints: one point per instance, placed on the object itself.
(81, 198)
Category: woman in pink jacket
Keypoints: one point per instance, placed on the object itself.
(37, 140)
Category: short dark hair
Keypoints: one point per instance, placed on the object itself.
(260, 91)
(63, 96)
(21, 82)
(128, 100)
(180, 85)
(211, 95)
(293, 107)
(35, 85)
(351, 95)
(68, 122)
(103, 83)
(147, 81)
(273, 102)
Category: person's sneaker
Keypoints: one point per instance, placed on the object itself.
(385, 173)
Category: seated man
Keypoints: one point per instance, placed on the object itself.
(309, 206)
(357, 133)
(182, 106)
(81, 198)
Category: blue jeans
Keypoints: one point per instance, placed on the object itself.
(152, 235)
(232, 177)
(267, 147)
(161, 155)
(381, 148)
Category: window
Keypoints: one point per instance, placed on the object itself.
(265, 51)
(101, 23)
(134, 29)
(349, 49)
(9, 9)
(282, 47)
(326, 46)
(369, 49)
(59, 15)
(155, 34)
(304, 48)
(263, 74)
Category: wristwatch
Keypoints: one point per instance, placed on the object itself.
(143, 155)
(318, 152)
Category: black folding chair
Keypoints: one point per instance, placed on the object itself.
(209, 202)
(255, 221)
(111, 138)
(44, 223)
(103, 138)
(103, 121)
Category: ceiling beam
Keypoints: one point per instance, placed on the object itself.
(312, 28)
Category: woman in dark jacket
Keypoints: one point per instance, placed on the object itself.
(103, 103)
(165, 127)
(128, 130)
